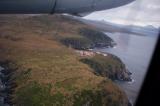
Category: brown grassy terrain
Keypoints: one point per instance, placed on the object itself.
(32, 47)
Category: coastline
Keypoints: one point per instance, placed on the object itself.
(115, 57)
(135, 57)
(128, 81)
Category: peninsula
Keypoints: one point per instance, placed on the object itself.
(43, 64)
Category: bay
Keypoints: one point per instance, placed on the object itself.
(136, 52)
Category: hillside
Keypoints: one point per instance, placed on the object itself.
(108, 66)
(42, 71)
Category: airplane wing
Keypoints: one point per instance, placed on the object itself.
(57, 6)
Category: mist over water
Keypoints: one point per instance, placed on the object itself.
(136, 52)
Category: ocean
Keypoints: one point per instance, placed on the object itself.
(136, 52)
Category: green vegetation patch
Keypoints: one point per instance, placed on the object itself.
(89, 98)
(67, 84)
(34, 94)
(108, 66)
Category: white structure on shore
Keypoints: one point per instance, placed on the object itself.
(84, 53)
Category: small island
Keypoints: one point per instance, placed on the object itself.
(46, 60)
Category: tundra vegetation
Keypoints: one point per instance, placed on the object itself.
(47, 71)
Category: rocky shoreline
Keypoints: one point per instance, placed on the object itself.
(7, 85)
(124, 74)
(121, 73)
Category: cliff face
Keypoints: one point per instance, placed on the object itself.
(109, 66)
(45, 71)
(88, 39)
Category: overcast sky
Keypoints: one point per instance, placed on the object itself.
(139, 12)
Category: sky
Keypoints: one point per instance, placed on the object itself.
(139, 12)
